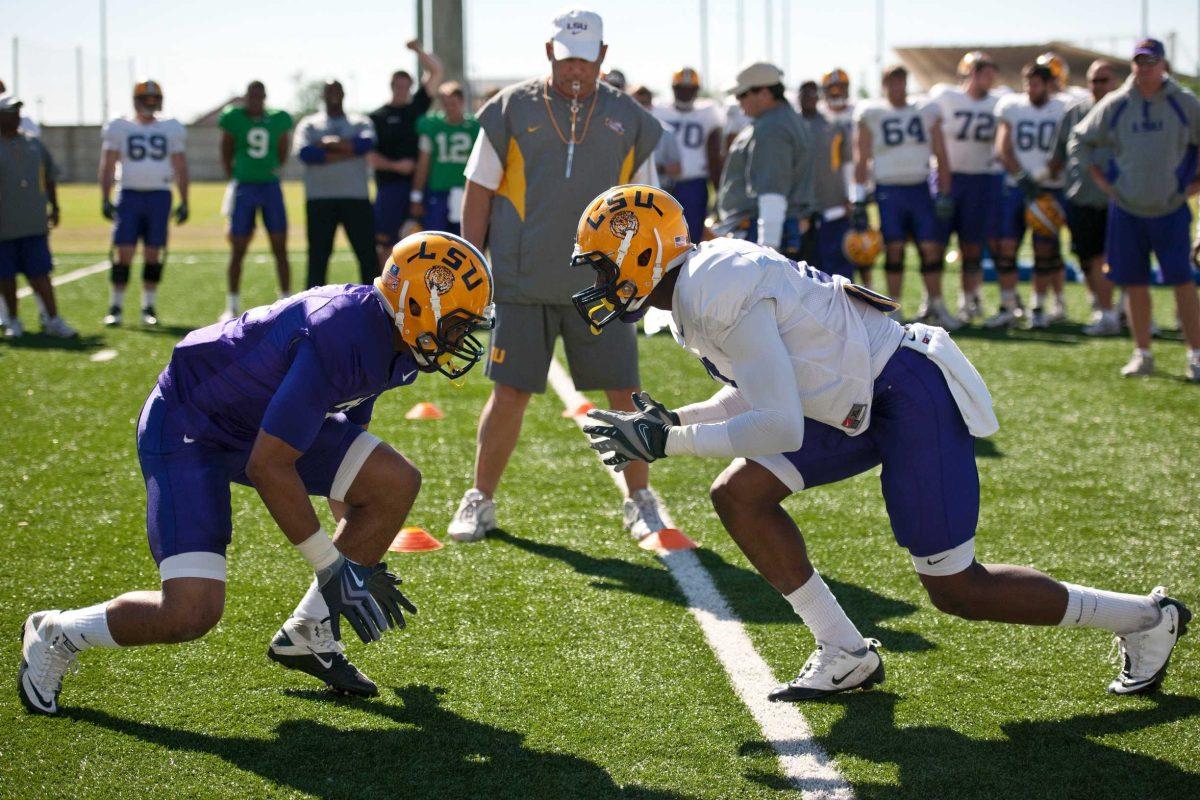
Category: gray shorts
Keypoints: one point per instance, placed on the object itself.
(523, 344)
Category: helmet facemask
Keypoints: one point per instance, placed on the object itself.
(612, 297)
(454, 349)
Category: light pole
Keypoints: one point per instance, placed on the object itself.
(103, 62)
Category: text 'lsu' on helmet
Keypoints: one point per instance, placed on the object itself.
(631, 236)
(862, 247)
(1058, 66)
(1045, 215)
(438, 287)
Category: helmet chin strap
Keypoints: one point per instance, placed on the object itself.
(623, 250)
(400, 307)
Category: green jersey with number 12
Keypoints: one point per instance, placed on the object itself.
(255, 143)
(449, 147)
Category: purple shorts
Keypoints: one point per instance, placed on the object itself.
(28, 255)
(907, 210)
(692, 194)
(187, 482)
(830, 234)
(392, 204)
(930, 482)
(1130, 238)
(248, 198)
(437, 213)
(142, 215)
(976, 198)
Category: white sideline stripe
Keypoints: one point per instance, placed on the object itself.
(73, 275)
(802, 760)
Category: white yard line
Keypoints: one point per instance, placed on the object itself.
(73, 275)
(802, 760)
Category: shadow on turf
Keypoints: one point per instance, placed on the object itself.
(1035, 758)
(422, 751)
(750, 597)
(39, 341)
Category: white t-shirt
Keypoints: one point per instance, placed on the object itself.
(144, 163)
(969, 125)
(691, 129)
(1033, 131)
(735, 119)
(901, 139)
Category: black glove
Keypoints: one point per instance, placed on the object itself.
(181, 214)
(383, 587)
(346, 588)
(943, 207)
(630, 436)
(1028, 185)
(645, 403)
(108, 209)
(858, 217)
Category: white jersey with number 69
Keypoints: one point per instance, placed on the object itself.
(901, 139)
(1033, 131)
(692, 127)
(969, 125)
(145, 150)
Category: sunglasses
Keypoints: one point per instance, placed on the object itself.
(1147, 61)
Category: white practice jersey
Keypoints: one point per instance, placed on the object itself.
(1033, 131)
(735, 119)
(144, 163)
(1073, 94)
(901, 139)
(692, 128)
(837, 345)
(969, 126)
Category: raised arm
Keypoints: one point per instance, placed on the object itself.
(431, 66)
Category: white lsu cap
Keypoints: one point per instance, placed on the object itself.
(577, 34)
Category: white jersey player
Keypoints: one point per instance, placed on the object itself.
(835, 97)
(821, 385)
(697, 127)
(144, 154)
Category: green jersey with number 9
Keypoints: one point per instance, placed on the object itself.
(255, 143)
(449, 147)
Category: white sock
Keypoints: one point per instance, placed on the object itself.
(1193, 356)
(312, 606)
(233, 301)
(1112, 611)
(1146, 351)
(819, 610)
(1039, 300)
(41, 304)
(118, 297)
(87, 627)
(148, 297)
(4, 311)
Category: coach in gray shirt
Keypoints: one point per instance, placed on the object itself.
(766, 192)
(1152, 125)
(334, 147)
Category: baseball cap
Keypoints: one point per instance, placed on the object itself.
(578, 34)
(757, 74)
(1149, 47)
(10, 102)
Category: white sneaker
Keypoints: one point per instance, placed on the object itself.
(1139, 365)
(46, 655)
(149, 316)
(13, 329)
(1004, 318)
(1038, 319)
(1144, 655)
(830, 670)
(1193, 371)
(476, 516)
(969, 309)
(1058, 312)
(641, 513)
(58, 328)
(113, 318)
(1104, 323)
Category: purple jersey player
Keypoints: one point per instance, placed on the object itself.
(279, 399)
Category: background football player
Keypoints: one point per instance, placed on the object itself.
(835, 96)
(969, 126)
(446, 139)
(1028, 129)
(820, 385)
(697, 127)
(832, 151)
(142, 154)
(319, 360)
(895, 139)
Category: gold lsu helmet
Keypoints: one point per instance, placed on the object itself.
(1058, 66)
(686, 76)
(438, 288)
(1045, 216)
(630, 235)
(147, 87)
(835, 77)
(972, 61)
(862, 247)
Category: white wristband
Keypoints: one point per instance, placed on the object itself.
(416, 196)
(318, 550)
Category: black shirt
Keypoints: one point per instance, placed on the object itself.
(396, 132)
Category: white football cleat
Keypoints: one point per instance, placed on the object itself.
(149, 316)
(641, 514)
(1193, 371)
(1144, 655)
(1058, 312)
(1139, 365)
(1104, 323)
(1038, 319)
(46, 655)
(58, 328)
(1004, 318)
(113, 318)
(309, 646)
(970, 309)
(476, 515)
(830, 670)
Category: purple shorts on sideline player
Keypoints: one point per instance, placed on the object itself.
(392, 205)
(248, 198)
(907, 210)
(187, 483)
(930, 481)
(437, 213)
(1130, 238)
(28, 255)
(830, 234)
(1012, 214)
(976, 198)
(692, 194)
(142, 215)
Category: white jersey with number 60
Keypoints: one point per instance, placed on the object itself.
(1033, 131)
(969, 125)
(901, 139)
(145, 150)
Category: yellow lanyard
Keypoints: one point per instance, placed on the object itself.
(570, 143)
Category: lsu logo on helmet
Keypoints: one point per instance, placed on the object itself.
(438, 288)
(861, 248)
(1045, 216)
(630, 235)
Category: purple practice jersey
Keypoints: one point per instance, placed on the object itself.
(284, 368)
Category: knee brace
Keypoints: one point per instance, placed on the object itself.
(1006, 265)
(152, 272)
(972, 266)
(893, 266)
(928, 267)
(1046, 266)
(119, 275)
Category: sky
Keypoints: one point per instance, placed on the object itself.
(205, 52)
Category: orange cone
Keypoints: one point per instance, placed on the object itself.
(414, 540)
(424, 411)
(667, 539)
(579, 410)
